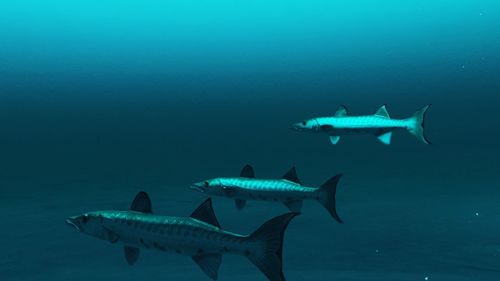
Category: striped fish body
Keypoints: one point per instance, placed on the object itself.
(267, 189)
(198, 236)
(372, 124)
(287, 190)
(183, 235)
(379, 124)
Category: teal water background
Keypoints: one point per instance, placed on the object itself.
(101, 99)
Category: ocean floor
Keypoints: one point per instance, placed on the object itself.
(389, 234)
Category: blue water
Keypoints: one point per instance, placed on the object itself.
(101, 99)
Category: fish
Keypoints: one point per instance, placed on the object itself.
(379, 124)
(199, 236)
(287, 190)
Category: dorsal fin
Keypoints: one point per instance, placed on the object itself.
(341, 111)
(141, 203)
(205, 213)
(382, 111)
(247, 172)
(291, 175)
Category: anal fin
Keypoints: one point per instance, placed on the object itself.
(209, 263)
(385, 138)
(240, 203)
(294, 206)
(131, 254)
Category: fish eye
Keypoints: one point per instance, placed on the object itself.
(304, 123)
(206, 183)
(85, 218)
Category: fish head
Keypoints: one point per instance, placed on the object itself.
(90, 224)
(310, 125)
(209, 187)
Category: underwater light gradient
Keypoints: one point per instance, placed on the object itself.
(100, 47)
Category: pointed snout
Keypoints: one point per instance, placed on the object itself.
(199, 186)
(297, 127)
(72, 221)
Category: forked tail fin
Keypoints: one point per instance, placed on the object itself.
(327, 194)
(416, 126)
(267, 252)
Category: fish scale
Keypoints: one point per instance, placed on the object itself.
(369, 122)
(379, 124)
(199, 236)
(266, 185)
(180, 230)
(288, 190)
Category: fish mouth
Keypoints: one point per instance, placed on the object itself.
(72, 224)
(296, 127)
(197, 187)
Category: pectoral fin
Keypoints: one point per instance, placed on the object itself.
(110, 235)
(385, 138)
(334, 139)
(131, 254)
(294, 206)
(229, 192)
(240, 203)
(209, 263)
(325, 128)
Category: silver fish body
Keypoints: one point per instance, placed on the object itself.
(198, 236)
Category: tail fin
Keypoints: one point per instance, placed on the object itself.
(269, 239)
(416, 127)
(327, 193)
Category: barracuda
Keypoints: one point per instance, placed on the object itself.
(380, 124)
(199, 236)
(287, 190)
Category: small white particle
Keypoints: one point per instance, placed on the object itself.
(426, 278)
(477, 214)
(463, 66)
